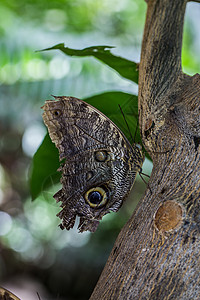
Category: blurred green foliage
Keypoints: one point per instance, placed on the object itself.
(113, 17)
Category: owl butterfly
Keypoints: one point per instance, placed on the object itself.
(6, 295)
(100, 164)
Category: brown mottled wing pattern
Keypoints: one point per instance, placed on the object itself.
(83, 134)
(6, 295)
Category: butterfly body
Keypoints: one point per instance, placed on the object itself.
(100, 164)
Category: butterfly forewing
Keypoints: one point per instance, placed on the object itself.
(100, 164)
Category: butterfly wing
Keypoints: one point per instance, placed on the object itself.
(100, 164)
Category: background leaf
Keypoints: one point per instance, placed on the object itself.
(46, 159)
(109, 102)
(126, 68)
(44, 167)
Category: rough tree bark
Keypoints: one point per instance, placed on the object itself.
(157, 253)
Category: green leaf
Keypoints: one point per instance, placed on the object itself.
(126, 68)
(46, 160)
(109, 102)
(44, 168)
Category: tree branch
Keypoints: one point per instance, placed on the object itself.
(156, 255)
(161, 50)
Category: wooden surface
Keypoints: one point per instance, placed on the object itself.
(157, 253)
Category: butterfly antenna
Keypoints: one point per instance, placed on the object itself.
(144, 174)
(140, 173)
(126, 123)
(143, 179)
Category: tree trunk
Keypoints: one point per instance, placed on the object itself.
(157, 253)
